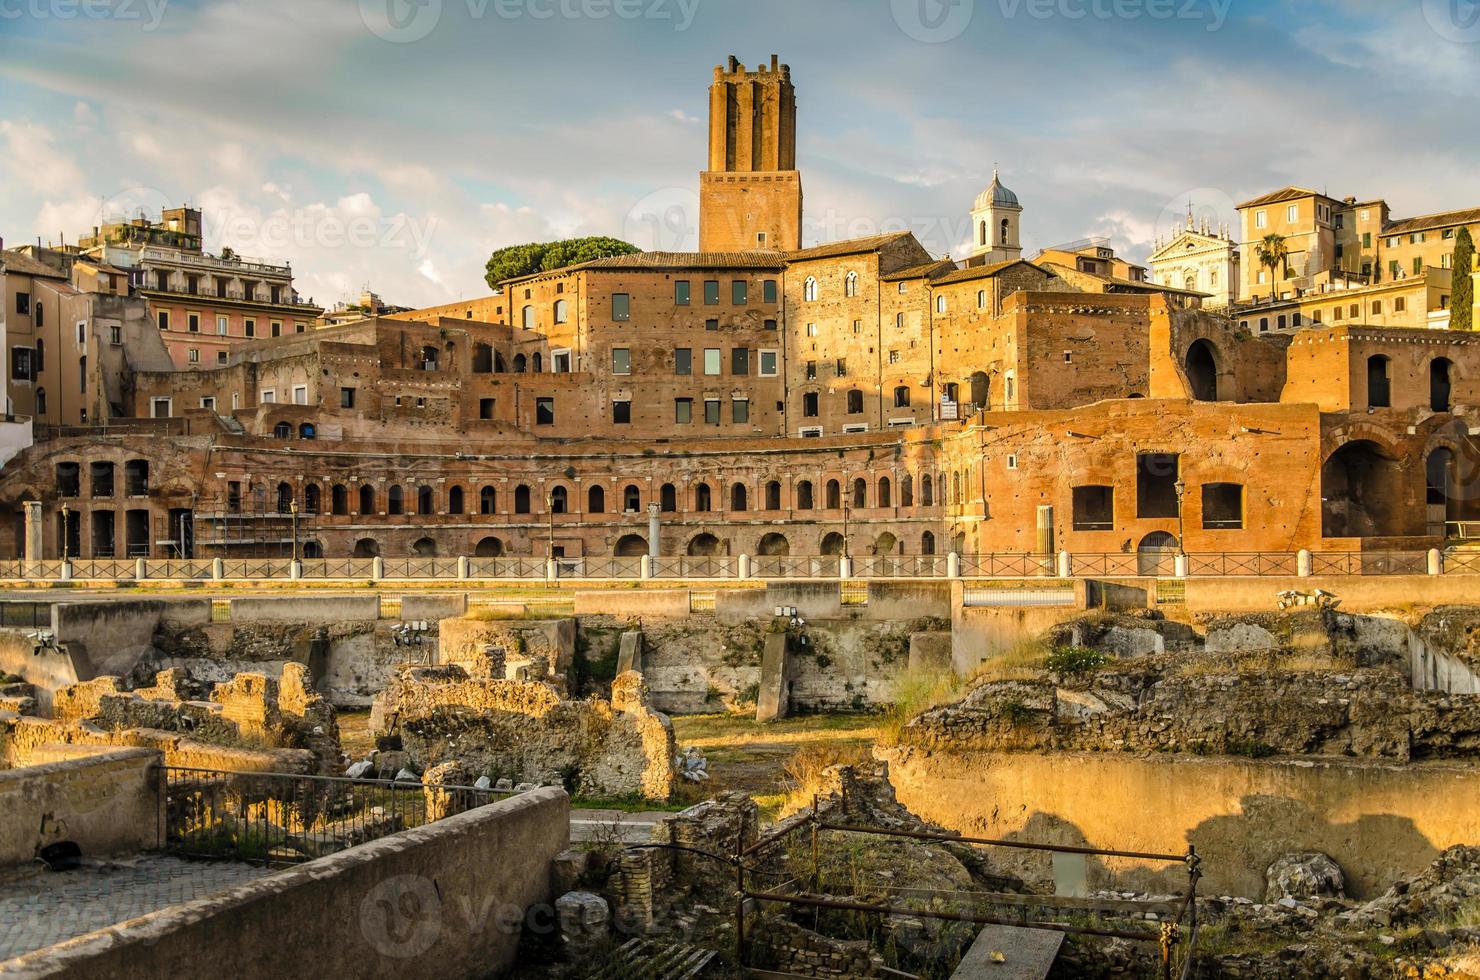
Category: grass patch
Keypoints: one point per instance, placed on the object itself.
(1023, 662)
(1074, 660)
(914, 692)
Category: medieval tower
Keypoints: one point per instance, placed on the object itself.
(751, 195)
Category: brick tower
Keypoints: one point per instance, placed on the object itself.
(751, 195)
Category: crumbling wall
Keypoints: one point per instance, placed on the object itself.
(525, 732)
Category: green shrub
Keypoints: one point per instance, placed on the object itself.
(1074, 660)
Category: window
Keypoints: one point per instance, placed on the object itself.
(221, 324)
(1366, 239)
(560, 362)
(812, 330)
(841, 368)
(544, 411)
(858, 326)
(740, 410)
(1094, 508)
(739, 292)
(269, 396)
(940, 304)
(770, 324)
(702, 495)
(981, 299)
(23, 304)
(683, 361)
(855, 401)
(346, 398)
(711, 411)
(1418, 266)
(527, 315)
(1222, 506)
(521, 499)
(683, 411)
(850, 284)
(1400, 304)
(1292, 213)
(711, 360)
(681, 292)
(621, 412)
(562, 310)
(809, 405)
(488, 501)
(596, 500)
(711, 324)
(740, 361)
(486, 408)
(193, 355)
(300, 394)
(220, 357)
(277, 328)
(1377, 307)
(1261, 219)
(737, 497)
(249, 328)
(768, 291)
(621, 360)
(711, 292)
(901, 397)
(163, 316)
(811, 370)
(1379, 387)
(809, 289)
(192, 322)
(40, 401)
(621, 306)
(559, 500)
(1156, 485)
(769, 362)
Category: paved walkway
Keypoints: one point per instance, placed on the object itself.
(39, 910)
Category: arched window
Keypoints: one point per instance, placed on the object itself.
(527, 317)
(850, 284)
(429, 358)
(40, 399)
(855, 401)
(834, 495)
(860, 492)
(702, 501)
(482, 359)
(1379, 386)
(927, 491)
(631, 499)
(956, 488)
(981, 389)
(940, 303)
(927, 543)
(668, 498)
(981, 299)
(809, 289)
(1006, 224)
(559, 499)
(424, 500)
(562, 310)
(884, 492)
(311, 498)
(982, 235)
(521, 499)
(282, 431)
(537, 363)
(907, 491)
(804, 495)
(809, 405)
(455, 502)
(395, 501)
(1440, 384)
(773, 495)
(737, 497)
(596, 499)
(367, 499)
(488, 501)
(519, 364)
(306, 431)
(902, 396)
(338, 499)
(284, 497)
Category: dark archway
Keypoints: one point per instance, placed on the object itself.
(631, 546)
(1361, 492)
(832, 543)
(488, 548)
(981, 389)
(703, 545)
(1156, 554)
(424, 548)
(773, 545)
(1441, 384)
(1202, 371)
(366, 548)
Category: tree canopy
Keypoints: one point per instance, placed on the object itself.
(522, 260)
(1462, 291)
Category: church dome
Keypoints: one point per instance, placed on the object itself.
(996, 196)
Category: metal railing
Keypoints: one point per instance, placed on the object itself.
(995, 565)
(279, 819)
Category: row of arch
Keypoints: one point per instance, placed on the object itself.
(773, 544)
(421, 499)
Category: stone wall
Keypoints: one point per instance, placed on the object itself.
(107, 802)
(522, 640)
(443, 900)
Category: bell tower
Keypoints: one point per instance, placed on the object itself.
(751, 195)
(996, 218)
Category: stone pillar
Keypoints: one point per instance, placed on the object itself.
(552, 569)
(464, 567)
(774, 697)
(1436, 562)
(744, 566)
(1066, 565)
(67, 571)
(953, 565)
(645, 569)
(295, 569)
(845, 566)
(34, 531)
(141, 568)
(1302, 563)
(653, 550)
(1179, 565)
(377, 568)
(1045, 529)
(218, 569)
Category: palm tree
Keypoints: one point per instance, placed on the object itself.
(1272, 253)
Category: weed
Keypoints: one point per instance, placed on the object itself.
(1074, 660)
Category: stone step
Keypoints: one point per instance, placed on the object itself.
(1010, 953)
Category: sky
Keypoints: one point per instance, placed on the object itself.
(395, 143)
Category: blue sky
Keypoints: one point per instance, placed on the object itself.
(395, 142)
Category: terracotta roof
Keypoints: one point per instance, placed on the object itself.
(852, 246)
(1134, 284)
(985, 271)
(928, 270)
(1468, 216)
(1283, 194)
(24, 265)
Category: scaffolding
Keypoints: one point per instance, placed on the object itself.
(254, 524)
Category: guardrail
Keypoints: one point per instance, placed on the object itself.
(1064, 565)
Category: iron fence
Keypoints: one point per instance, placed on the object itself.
(1369, 563)
(279, 819)
(697, 566)
(103, 569)
(506, 568)
(1458, 562)
(1235, 563)
(1132, 564)
(788, 566)
(179, 568)
(996, 565)
(900, 566)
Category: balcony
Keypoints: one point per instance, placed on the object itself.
(238, 265)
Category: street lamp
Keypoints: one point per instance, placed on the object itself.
(66, 535)
(293, 510)
(847, 499)
(1180, 488)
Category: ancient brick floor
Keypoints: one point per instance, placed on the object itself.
(39, 910)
